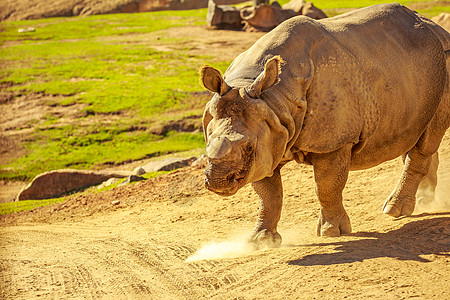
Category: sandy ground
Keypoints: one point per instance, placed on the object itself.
(169, 238)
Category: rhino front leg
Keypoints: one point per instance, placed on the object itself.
(270, 193)
(331, 173)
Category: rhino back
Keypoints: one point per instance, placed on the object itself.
(403, 61)
(388, 58)
(291, 40)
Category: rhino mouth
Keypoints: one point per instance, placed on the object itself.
(230, 180)
(229, 185)
(234, 183)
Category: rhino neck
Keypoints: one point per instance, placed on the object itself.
(290, 111)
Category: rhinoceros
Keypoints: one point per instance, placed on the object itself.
(341, 94)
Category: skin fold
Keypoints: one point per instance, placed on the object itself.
(345, 93)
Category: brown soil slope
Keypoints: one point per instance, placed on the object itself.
(90, 248)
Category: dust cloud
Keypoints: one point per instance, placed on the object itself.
(238, 246)
(232, 248)
(440, 204)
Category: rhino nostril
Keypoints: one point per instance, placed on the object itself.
(231, 177)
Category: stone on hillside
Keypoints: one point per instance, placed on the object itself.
(168, 164)
(443, 20)
(59, 182)
(200, 162)
(295, 5)
(223, 16)
(305, 9)
(108, 182)
(132, 178)
(313, 12)
(29, 29)
(258, 2)
(139, 171)
(264, 17)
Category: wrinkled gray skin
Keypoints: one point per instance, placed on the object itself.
(345, 93)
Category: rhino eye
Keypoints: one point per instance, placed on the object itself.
(249, 150)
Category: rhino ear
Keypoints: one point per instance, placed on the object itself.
(212, 80)
(207, 117)
(269, 77)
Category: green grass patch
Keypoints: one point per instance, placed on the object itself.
(99, 25)
(18, 206)
(60, 148)
(110, 64)
(113, 65)
(107, 76)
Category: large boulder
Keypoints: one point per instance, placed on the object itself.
(305, 9)
(223, 16)
(295, 5)
(264, 17)
(59, 182)
(311, 11)
(443, 20)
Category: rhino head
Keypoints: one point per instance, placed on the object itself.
(239, 130)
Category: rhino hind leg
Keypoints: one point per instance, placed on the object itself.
(404, 206)
(426, 192)
(401, 201)
(419, 172)
(331, 173)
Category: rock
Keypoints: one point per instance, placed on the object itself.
(200, 162)
(295, 5)
(132, 178)
(115, 202)
(258, 2)
(29, 29)
(443, 20)
(300, 7)
(223, 16)
(264, 17)
(108, 182)
(59, 182)
(276, 4)
(168, 164)
(139, 171)
(313, 12)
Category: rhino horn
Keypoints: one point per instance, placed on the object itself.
(218, 148)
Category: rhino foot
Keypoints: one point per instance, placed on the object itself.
(396, 207)
(264, 239)
(334, 227)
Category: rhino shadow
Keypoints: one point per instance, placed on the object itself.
(424, 237)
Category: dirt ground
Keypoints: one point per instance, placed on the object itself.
(92, 247)
(169, 238)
